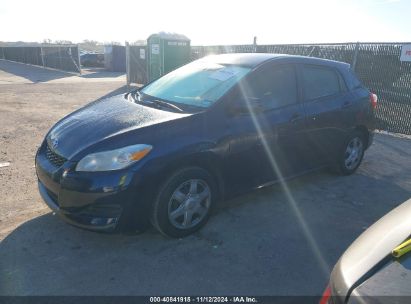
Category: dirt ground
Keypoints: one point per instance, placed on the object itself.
(263, 243)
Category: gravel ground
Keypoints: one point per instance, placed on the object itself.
(31, 101)
(262, 243)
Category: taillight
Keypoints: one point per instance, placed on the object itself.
(326, 296)
(373, 100)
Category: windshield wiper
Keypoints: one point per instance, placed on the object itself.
(165, 104)
(158, 103)
(131, 96)
(135, 95)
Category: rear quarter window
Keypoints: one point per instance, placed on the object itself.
(320, 82)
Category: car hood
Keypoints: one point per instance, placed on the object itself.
(371, 247)
(101, 120)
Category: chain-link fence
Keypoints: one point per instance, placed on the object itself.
(60, 57)
(378, 66)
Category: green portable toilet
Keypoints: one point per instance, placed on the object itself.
(166, 52)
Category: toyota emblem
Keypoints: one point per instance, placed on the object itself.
(54, 143)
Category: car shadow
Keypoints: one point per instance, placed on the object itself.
(31, 72)
(39, 74)
(99, 73)
(261, 243)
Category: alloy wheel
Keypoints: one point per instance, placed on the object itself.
(353, 153)
(189, 204)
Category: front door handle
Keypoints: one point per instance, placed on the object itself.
(295, 117)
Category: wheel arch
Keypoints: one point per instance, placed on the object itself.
(363, 130)
(204, 160)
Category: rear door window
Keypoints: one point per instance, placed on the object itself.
(320, 82)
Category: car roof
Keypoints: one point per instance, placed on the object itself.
(255, 59)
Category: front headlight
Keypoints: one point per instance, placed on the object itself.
(114, 159)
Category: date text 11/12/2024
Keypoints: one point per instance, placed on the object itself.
(235, 299)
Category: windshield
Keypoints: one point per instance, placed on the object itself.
(200, 83)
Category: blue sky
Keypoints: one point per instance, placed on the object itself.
(208, 21)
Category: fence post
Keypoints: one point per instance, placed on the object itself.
(42, 56)
(70, 53)
(79, 63)
(255, 44)
(354, 61)
(60, 62)
(128, 65)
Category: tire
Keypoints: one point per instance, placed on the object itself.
(351, 153)
(184, 202)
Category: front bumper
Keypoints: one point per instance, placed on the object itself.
(96, 201)
(84, 218)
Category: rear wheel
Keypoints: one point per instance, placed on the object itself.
(351, 154)
(184, 202)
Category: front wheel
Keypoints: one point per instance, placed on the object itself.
(352, 153)
(184, 202)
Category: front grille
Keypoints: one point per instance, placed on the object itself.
(54, 158)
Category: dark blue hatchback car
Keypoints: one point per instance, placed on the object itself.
(167, 153)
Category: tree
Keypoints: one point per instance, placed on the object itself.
(91, 46)
(63, 42)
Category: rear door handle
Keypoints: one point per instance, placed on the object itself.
(295, 117)
(346, 104)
